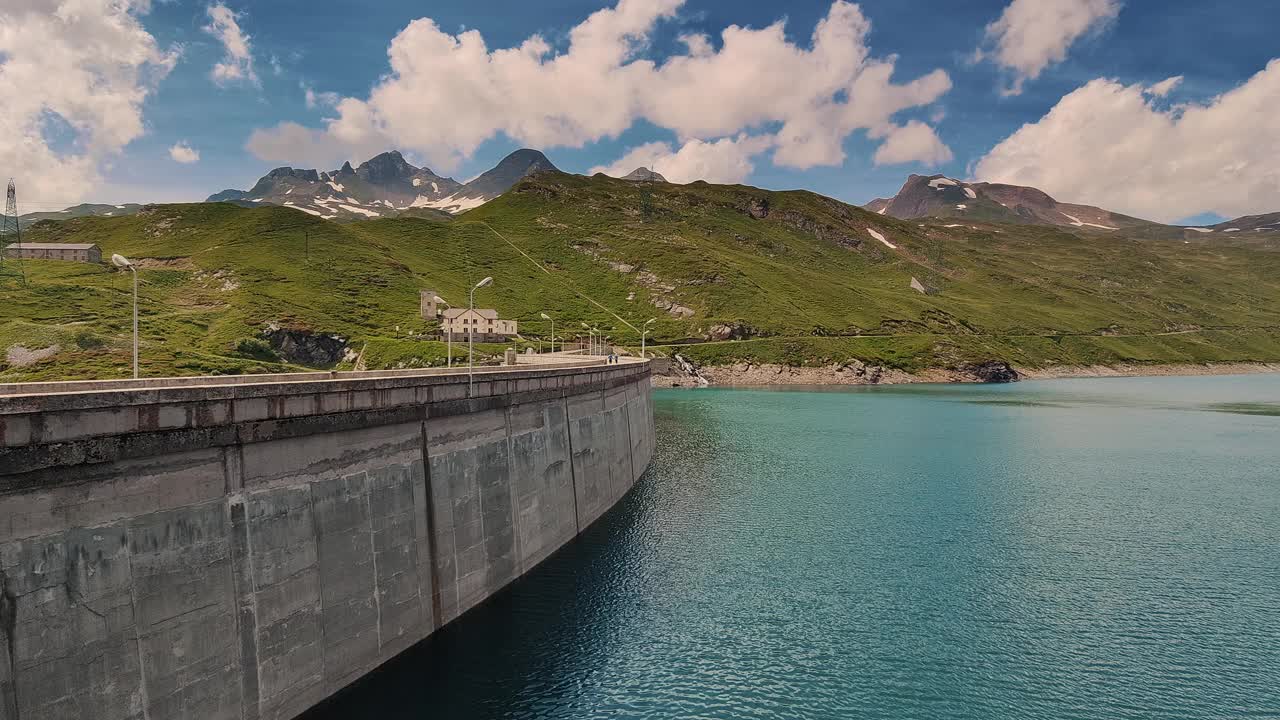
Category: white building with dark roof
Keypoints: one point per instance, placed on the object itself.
(75, 252)
(483, 323)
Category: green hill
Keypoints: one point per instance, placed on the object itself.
(798, 276)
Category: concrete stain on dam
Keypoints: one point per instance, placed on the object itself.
(244, 551)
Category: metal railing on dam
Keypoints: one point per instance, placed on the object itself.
(245, 547)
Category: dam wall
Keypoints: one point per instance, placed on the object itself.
(245, 548)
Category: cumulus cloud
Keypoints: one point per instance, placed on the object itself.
(913, 142)
(183, 153)
(1113, 145)
(446, 94)
(78, 66)
(727, 160)
(1031, 35)
(237, 62)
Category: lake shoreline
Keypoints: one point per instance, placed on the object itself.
(857, 374)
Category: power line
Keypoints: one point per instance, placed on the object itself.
(575, 290)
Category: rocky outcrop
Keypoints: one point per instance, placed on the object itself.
(673, 309)
(756, 207)
(760, 209)
(992, 371)
(731, 331)
(303, 347)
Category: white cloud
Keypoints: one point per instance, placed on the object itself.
(913, 142)
(727, 160)
(446, 94)
(183, 153)
(318, 99)
(1164, 87)
(83, 66)
(1031, 35)
(237, 63)
(1109, 144)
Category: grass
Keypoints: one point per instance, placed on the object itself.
(806, 280)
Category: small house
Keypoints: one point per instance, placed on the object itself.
(74, 252)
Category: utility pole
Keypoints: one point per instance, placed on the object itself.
(9, 225)
(125, 263)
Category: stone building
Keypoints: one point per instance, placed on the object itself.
(75, 252)
(484, 323)
(427, 304)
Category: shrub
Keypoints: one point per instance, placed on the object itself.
(86, 340)
(256, 349)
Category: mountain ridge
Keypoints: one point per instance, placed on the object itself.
(944, 197)
(384, 186)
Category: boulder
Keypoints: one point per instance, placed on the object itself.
(992, 371)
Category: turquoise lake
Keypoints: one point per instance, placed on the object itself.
(1101, 549)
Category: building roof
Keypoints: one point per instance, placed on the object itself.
(52, 246)
(452, 313)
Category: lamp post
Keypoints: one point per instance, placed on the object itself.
(121, 261)
(471, 334)
(553, 331)
(449, 351)
(591, 339)
(644, 331)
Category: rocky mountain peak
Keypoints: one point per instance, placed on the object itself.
(644, 174)
(506, 173)
(941, 196)
(385, 185)
(298, 174)
(384, 168)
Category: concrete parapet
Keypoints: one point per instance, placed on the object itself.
(245, 549)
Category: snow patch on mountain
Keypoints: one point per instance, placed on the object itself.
(359, 210)
(1079, 223)
(881, 238)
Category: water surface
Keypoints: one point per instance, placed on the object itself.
(1068, 549)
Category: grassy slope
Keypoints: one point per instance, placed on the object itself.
(808, 276)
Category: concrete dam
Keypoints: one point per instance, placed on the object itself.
(244, 547)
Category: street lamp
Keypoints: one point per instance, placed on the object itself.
(121, 261)
(471, 334)
(450, 333)
(553, 331)
(644, 330)
(591, 339)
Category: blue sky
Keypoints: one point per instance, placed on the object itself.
(342, 48)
